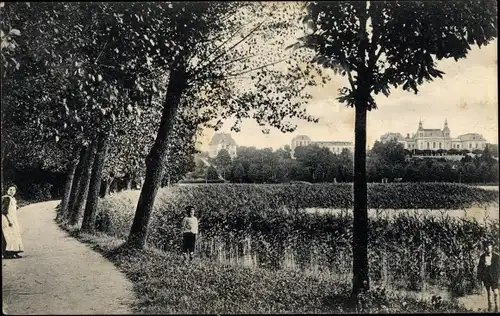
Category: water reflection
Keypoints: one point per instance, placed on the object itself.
(412, 266)
(479, 213)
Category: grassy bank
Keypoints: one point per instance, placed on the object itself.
(263, 226)
(165, 285)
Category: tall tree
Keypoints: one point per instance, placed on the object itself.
(92, 69)
(90, 212)
(212, 173)
(223, 161)
(68, 187)
(392, 152)
(316, 160)
(84, 184)
(205, 60)
(75, 186)
(238, 172)
(378, 44)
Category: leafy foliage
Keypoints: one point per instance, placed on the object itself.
(8, 33)
(212, 173)
(223, 162)
(390, 161)
(380, 45)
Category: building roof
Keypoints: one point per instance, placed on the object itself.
(334, 143)
(219, 138)
(431, 129)
(391, 134)
(301, 137)
(471, 136)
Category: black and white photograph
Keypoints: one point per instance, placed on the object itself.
(249, 157)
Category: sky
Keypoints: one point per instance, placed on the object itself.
(466, 96)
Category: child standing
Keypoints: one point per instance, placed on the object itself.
(488, 273)
(189, 233)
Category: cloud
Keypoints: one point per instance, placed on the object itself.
(467, 96)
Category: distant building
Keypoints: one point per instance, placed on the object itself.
(335, 147)
(222, 141)
(435, 139)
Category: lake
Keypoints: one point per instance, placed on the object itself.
(487, 212)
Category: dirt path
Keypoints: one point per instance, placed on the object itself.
(58, 274)
(477, 302)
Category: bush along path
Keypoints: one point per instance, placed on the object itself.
(58, 274)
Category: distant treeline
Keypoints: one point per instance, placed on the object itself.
(311, 164)
(384, 161)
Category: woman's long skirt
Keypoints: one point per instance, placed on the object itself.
(11, 234)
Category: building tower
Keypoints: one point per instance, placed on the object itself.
(446, 130)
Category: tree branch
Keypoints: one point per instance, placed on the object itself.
(102, 50)
(203, 68)
(237, 77)
(220, 35)
(227, 40)
(228, 16)
(111, 67)
(258, 68)
(239, 59)
(373, 12)
(351, 80)
(363, 19)
(381, 50)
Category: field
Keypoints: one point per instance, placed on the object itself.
(266, 226)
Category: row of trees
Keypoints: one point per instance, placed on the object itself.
(314, 164)
(311, 163)
(77, 72)
(112, 90)
(391, 161)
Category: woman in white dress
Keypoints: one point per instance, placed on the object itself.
(12, 242)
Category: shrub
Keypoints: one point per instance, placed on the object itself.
(37, 192)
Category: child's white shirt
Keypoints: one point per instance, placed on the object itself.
(190, 225)
(487, 259)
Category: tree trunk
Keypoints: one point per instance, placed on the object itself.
(90, 213)
(102, 187)
(129, 184)
(155, 161)
(76, 183)
(360, 226)
(67, 190)
(360, 281)
(116, 185)
(107, 186)
(76, 213)
(113, 185)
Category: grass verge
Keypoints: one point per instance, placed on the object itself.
(163, 284)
